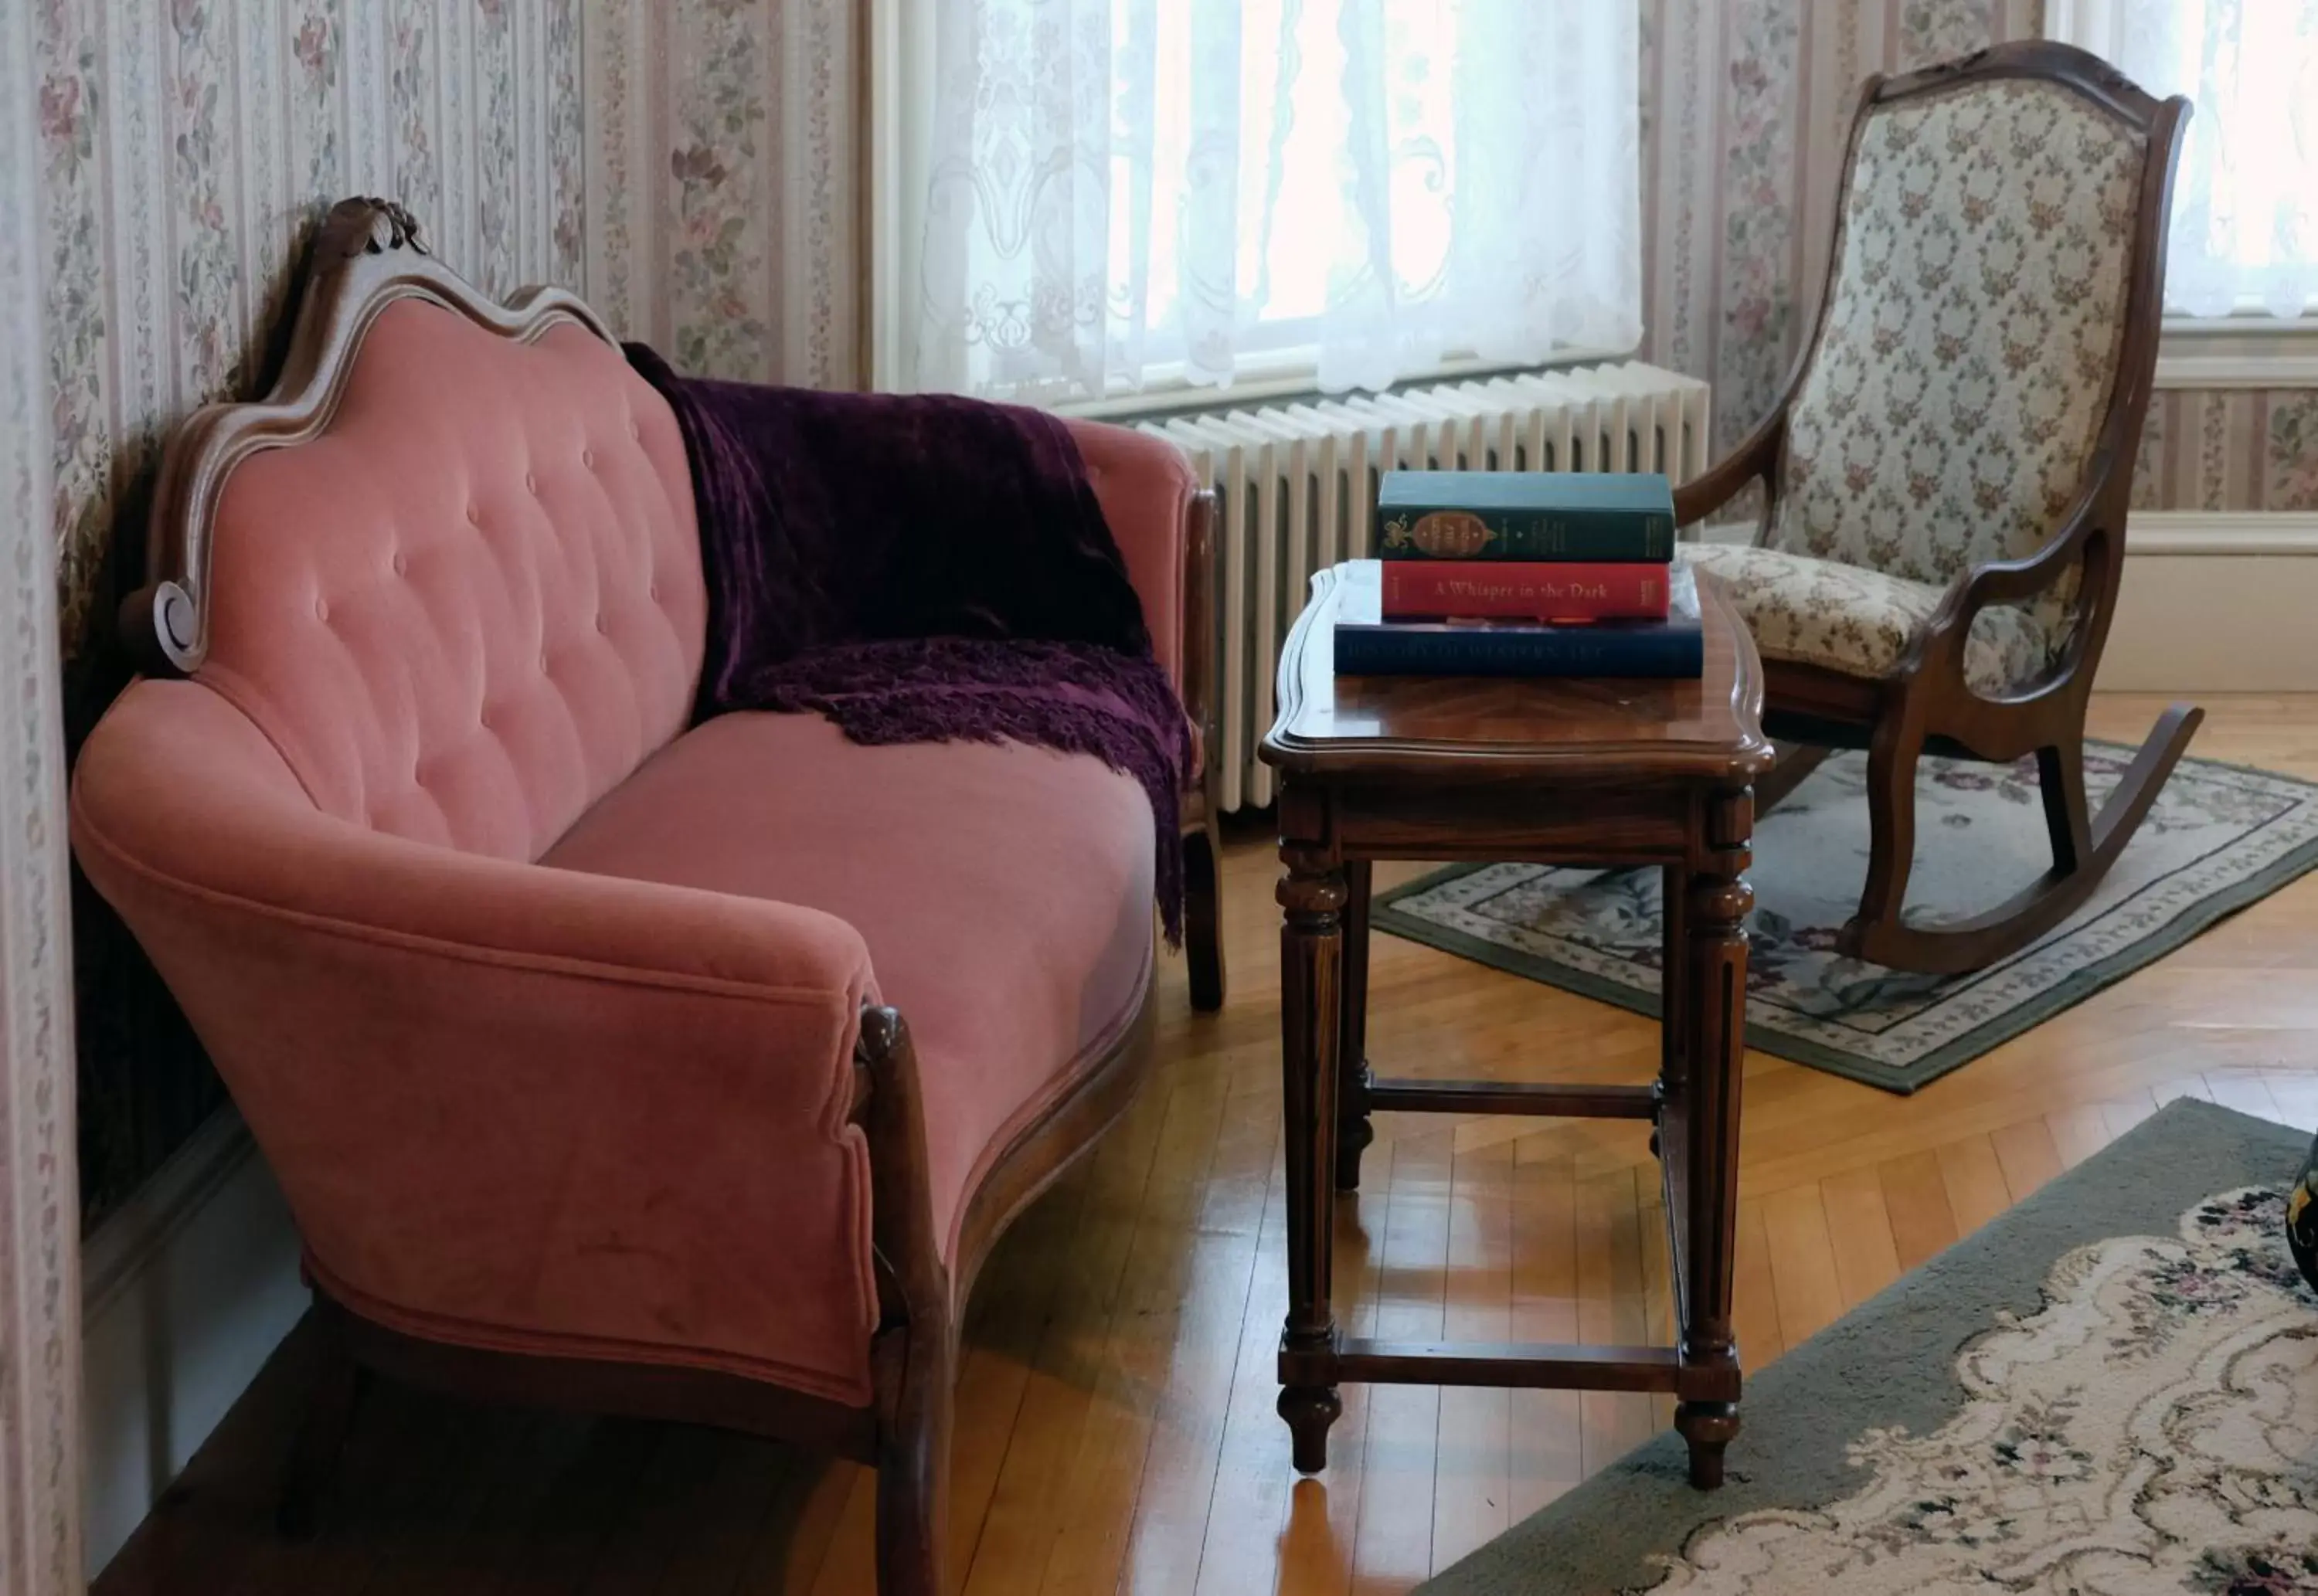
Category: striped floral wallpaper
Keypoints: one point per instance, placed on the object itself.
(1743, 125)
(41, 1547)
(688, 164)
(2229, 449)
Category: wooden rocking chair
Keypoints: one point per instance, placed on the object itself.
(1947, 473)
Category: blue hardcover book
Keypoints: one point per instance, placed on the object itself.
(1367, 644)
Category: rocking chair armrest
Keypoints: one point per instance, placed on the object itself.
(1939, 647)
(1754, 459)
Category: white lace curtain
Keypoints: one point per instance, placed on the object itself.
(2245, 200)
(1119, 193)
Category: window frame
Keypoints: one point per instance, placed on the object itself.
(2248, 348)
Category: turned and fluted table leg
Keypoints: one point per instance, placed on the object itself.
(1712, 1043)
(1353, 1131)
(1313, 892)
(1674, 980)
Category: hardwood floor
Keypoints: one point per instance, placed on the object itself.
(1116, 1427)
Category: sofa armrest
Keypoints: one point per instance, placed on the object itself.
(1145, 488)
(511, 1106)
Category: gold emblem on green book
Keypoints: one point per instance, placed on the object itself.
(1444, 534)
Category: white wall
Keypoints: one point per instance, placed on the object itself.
(2216, 603)
(187, 1288)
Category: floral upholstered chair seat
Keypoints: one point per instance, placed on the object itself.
(1860, 621)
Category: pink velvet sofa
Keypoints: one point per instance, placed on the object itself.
(576, 1037)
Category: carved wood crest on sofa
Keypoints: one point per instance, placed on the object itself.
(575, 1034)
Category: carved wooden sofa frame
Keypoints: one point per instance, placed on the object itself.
(368, 254)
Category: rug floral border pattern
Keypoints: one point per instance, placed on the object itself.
(2148, 1429)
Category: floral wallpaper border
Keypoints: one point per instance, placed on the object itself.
(2252, 450)
(41, 1547)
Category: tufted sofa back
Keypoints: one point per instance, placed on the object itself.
(474, 603)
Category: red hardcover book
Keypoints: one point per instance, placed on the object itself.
(1525, 589)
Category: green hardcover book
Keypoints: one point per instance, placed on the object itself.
(1608, 515)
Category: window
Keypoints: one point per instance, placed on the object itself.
(1292, 61)
(1114, 196)
(2244, 230)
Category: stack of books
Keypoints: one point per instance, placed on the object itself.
(1520, 573)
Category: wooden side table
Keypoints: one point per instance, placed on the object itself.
(1585, 772)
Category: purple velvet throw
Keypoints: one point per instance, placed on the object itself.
(920, 568)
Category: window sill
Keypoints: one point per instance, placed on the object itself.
(2237, 352)
(1296, 382)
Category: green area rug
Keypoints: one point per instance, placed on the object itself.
(2219, 838)
(2111, 1388)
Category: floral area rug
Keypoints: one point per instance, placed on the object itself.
(2079, 1400)
(2218, 839)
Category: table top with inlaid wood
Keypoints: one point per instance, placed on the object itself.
(1445, 726)
(1556, 771)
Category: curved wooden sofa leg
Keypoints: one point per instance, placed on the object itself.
(916, 1346)
(1978, 942)
(913, 1467)
(1203, 910)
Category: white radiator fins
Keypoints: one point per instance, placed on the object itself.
(1298, 483)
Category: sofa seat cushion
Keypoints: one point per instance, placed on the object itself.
(1861, 623)
(1003, 893)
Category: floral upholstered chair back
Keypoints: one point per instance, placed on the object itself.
(1973, 336)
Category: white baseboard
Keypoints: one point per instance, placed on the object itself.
(186, 1290)
(2213, 601)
